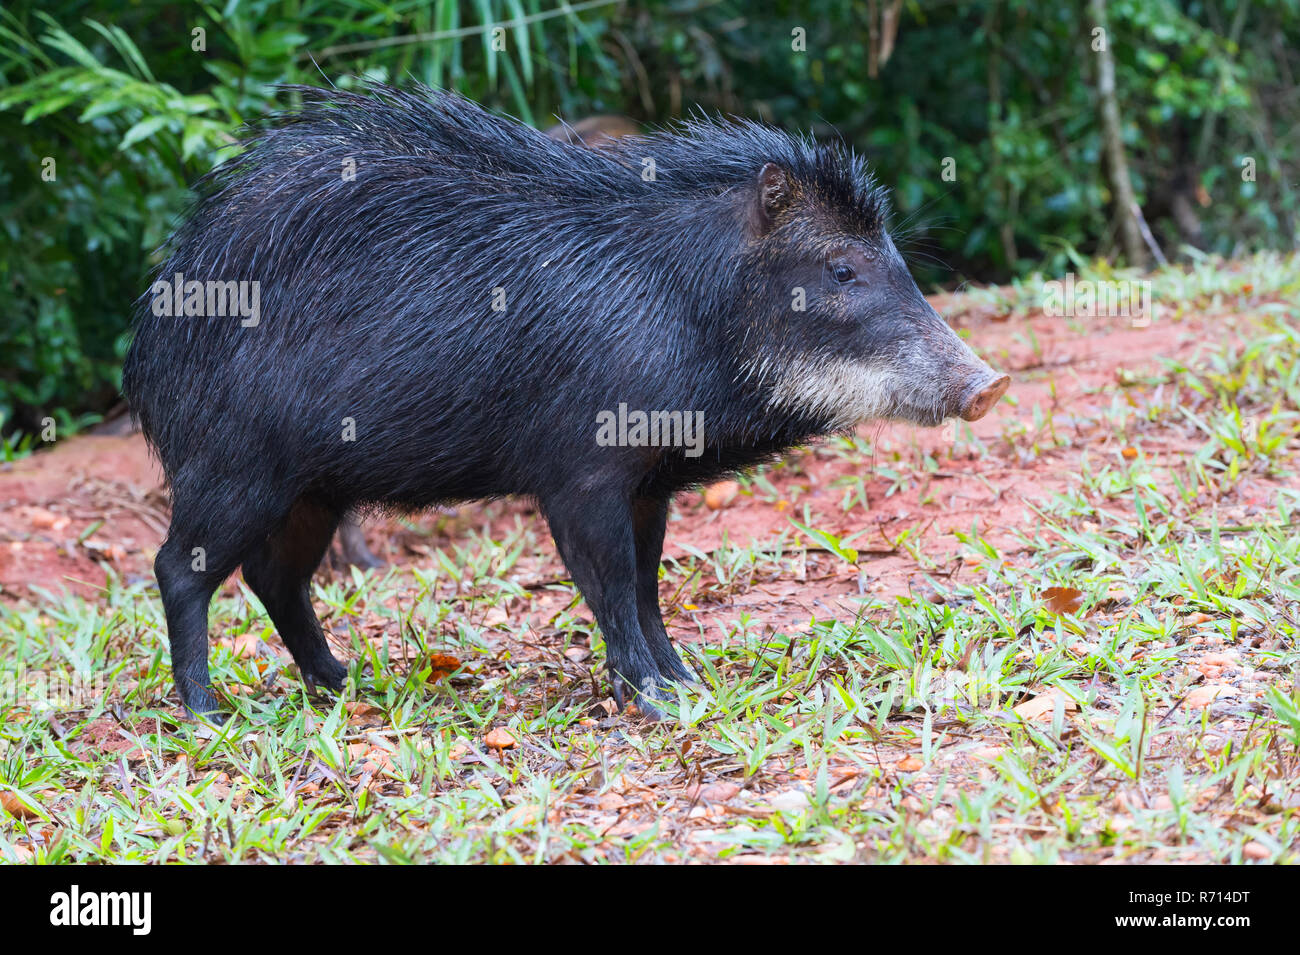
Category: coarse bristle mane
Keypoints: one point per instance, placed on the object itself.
(442, 134)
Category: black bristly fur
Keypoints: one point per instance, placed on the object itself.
(376, 306)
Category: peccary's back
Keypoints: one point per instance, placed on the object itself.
(462, 290)
(406, 284)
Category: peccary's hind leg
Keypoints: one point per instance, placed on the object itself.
(650, 515)
(279, 572)
(350, 548)
(187, 587)
(203, 547)
(594, 535)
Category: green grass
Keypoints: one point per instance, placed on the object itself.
(890, 734)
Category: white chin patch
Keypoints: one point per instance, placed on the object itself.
(840, 390)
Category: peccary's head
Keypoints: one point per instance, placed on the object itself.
(848, 335)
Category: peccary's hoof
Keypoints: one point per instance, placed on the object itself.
(649, 711)
(654, 689)
(326, 673)
(200, 704)
(210, 715)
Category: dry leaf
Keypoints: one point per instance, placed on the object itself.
(1203, 696)
(1255, 850)
(610, 802)
(713, 792)
(1062, 600)
(443, 666)
(1044, 705)
(524, 815)
(377, 758)
(358, 749)
(788, 800)
(244, 646)
(16, 807)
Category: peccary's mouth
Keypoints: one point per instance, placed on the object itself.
(839, 391)
(845, 391)
(924, 418)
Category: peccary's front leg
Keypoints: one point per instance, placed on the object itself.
(651, 520)
(594, 534)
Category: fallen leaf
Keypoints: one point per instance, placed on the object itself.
(524, 815)
(713, 792)
(358, 749)
(1203, 696)
(1062, 600)
(1044, 705)
(789, 800)
(16, 807)
(244, 646)
(377, 758)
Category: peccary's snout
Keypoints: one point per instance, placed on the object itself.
(946, 365)
(983, 396)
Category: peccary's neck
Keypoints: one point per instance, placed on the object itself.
(724, 315)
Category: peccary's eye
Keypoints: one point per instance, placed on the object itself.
(843, 273)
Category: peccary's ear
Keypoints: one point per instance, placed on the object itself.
(773, 195)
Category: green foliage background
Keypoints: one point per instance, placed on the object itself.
(130, 113)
